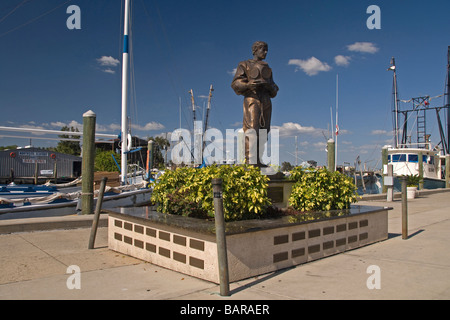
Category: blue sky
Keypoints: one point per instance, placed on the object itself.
(51, 75)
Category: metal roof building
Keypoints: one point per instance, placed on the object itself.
(26, 162)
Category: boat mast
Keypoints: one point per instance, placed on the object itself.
(393, 68)
(193, 103)
(124, 133)
(211, 89)
(337, 127)
(447, 94)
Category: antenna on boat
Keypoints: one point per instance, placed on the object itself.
(337, 127)
(193, 103)
(125, 61)
(211, 89)
(447, 100)
(393, 68)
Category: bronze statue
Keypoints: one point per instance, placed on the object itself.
(253, 80)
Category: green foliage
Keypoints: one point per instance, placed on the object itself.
(320, 189)
(188, 192)
(105, 162)
(69, 147)
(286, 166)
(413, 180)
(11, 147)
(160, 144)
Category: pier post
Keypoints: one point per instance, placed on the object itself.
(98, 209)
(331, 156)
(87, 184)
(389, 183)
(447, 171)
(384, 162)
(150, 152)
(36, 172)
(404, 209)
(220, 237)
(420, 159)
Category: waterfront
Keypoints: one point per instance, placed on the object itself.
(34, 266)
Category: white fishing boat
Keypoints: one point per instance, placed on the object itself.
(419, 157)
(406, 161)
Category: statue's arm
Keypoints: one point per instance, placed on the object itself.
(240, 80)
(273, 89)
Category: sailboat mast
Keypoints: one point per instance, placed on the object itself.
(193, 103)
(124, 133)
(337, 126)
(211, 89)
(393, 68)
(448, 100)
(207, 116)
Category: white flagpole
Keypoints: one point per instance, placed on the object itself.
(125, 96)
(337, 126)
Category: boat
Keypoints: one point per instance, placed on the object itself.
(69, 203)
(406, 161)
(15, 204)
(419, 157)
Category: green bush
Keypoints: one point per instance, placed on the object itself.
(105, 162)
(413, 180)
(188, 192)
(321, 190)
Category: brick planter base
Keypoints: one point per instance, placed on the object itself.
(254, 247)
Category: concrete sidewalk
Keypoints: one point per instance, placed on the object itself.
(34, 265)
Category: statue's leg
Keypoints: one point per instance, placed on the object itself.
(264, 124)
(252, 113)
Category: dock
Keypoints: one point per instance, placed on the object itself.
(35, 255)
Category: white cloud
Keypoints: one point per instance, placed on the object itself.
(108, 61)
(30, 126)
(292, 129)
(381, 132)
(365, 47)
(148, 127)
(341, 60)
(109, 70)
(311, 67)
(232, 72)
(58, 124)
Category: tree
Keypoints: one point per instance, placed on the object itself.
(159, 144)
(104, 161)
(8, 147)
(69, 147)
(286, 166)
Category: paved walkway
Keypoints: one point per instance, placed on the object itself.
(34, 265)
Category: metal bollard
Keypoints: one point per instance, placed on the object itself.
(404, 210)
(98, 208)
(220, 237)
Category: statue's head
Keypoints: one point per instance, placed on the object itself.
(259, 50)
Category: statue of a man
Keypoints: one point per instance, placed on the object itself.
(253, 80)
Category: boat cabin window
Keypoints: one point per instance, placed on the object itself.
(425, 158)
(398, 157)
(431, 160)
(413, 158)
